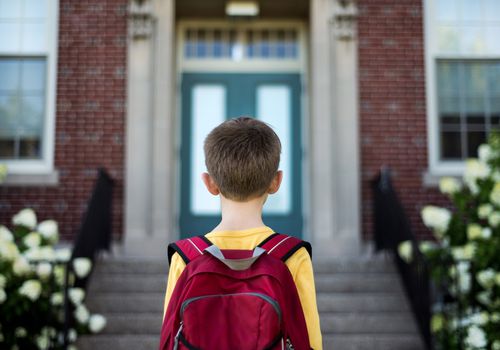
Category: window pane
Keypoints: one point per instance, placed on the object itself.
(34, 37)
(22, 110)
(492, 10)
(474, 140)
(448, 39)
(473, 39)
(493, 39)
(10, 9)
(471, 10)
(446, 10)
(10, 73)
(208, 108)
(10, 36)
(274, 108)
(35, 8)
(451, 145)
(33, 76)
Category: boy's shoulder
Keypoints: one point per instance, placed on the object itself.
(279, 245)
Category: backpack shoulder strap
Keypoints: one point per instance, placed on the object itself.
(283, 246)
(188, 248)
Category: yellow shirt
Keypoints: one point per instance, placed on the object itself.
(299, 265)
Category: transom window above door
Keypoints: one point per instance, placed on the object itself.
(263, 46)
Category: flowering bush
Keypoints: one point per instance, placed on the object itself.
(465, 257)
(32, 280)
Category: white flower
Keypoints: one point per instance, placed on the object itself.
(5, 234)
(97, 323)
(82, 314)
(495, 194)
(63, 254)
(76, 295)
(464, 278)
(32, 240)
(475, 170)
(486, 278)
(40, 253)
(8, 251)
(72, 335)
(21, 266)
(484, 297)
(484, 152)
(427, 246)
(496, 345)
(56, 299)
(436, 218)
(486, 233)
(43, 270)
(479, 318)
(494, 219)
(449, 185)
(20, 332)
(3, 296)
(42, 341)
(26, 218)
(82, 267)
(3, 172)
(473, 231)
(476, 337)
(3, 281)
(31, 289)
(463, 253)
(49, 230)
(437, 322)
(484, 210)
(59, 274)
(497, 278)
(405, 251)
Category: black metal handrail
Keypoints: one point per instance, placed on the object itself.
(93, 236)
(391, 228)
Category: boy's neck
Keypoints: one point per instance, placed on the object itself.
(241, 215)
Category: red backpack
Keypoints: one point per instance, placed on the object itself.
(235, 299)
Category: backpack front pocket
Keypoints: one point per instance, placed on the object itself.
(245, 321)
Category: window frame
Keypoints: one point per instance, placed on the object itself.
(44, 165)
(437, 167)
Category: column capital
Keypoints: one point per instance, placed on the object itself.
(345, 14)
(141, 19)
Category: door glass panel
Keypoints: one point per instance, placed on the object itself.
(273, 107)
(208, 110)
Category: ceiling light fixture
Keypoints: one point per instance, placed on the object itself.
(242, 8)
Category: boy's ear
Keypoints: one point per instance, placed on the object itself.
(210, 184)
(276, 183)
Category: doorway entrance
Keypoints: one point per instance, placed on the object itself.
(210, 98)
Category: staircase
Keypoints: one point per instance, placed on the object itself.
(361, 303)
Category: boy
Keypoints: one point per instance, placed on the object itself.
(242, 157)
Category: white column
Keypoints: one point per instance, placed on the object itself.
(321, 127)
(335, 184)
(150, 115)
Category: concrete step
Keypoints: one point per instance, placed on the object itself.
(335, 283)
(336, 342)
(362, 302)
(342, 302)
(369, 323)
(373, 342)
(118, 342)
(378, 264)
(343, 323)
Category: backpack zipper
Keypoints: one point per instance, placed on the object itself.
(264, 297)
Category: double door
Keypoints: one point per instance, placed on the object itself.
(210, 98)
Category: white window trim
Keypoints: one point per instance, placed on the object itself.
(44, 166)
(437, 168)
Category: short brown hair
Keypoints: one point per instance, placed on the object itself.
(242, 155)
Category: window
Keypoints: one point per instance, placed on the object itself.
(28, 41)
(463, 78)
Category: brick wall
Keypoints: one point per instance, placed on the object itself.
(392, 104)
(90, 119)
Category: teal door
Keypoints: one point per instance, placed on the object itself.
(210, 98)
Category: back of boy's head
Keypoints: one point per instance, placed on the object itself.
(242, 156)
